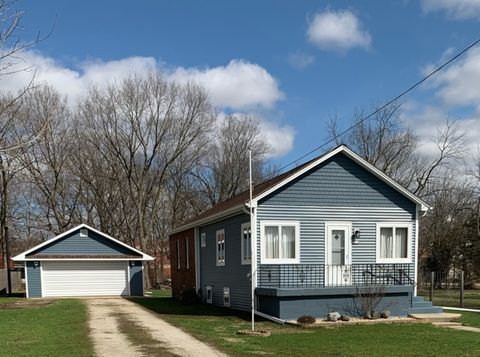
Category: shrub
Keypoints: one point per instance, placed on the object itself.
(189, 297)
(306, 320)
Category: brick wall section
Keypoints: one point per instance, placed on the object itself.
(182, 278)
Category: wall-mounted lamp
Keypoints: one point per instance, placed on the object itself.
(355, 236)
(132, 263)
(36, 264)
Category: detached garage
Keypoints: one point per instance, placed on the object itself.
(83, 262)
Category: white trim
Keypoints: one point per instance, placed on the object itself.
(279, 223)
(217, 233)
(394, 225)
(143, 281)
(203, 239)
(227, 289)
(76, 259)
(197, 258)
(26, 280)
(128, 279)
(255, 248)
(40, 265)
(343, 149)
(415, 277)
(21, 256)
(207, 288)
(242, 255)
(348, 240)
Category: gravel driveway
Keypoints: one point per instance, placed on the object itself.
(119, 327)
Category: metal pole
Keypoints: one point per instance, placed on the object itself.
(7, 253)
(432, 282)
(252, 227)
(462, 283)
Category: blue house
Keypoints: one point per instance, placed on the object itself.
(325, 235)
(83, 262)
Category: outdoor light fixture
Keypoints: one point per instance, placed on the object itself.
(355, 236)
(35, 264)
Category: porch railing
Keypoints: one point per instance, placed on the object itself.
(320, 275)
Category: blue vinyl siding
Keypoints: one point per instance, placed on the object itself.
(233, 275)
(136, 278)
(339, 182)
(74, 244)
(34, 280)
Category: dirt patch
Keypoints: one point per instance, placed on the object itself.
(122, 328)
(29, 304)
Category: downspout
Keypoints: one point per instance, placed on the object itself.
(271, 318)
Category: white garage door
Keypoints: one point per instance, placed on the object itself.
(84, 278)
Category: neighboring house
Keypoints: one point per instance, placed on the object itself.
(83, 262)
(324, 233)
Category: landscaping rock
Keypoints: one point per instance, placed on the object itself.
(333, 316)
(345, 318)
(375, 315)
(385, 314)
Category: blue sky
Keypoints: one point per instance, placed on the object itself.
(291, 63)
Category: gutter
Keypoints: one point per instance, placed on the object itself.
(271, 318)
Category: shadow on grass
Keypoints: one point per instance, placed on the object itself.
(170, 306)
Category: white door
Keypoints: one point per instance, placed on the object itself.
(338, 257)
(84, 278)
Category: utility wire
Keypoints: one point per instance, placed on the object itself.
(438, 69)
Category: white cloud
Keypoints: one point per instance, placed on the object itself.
(300, 60)
(238, 85)
(458, 85)
(458, 9)
(338, 30)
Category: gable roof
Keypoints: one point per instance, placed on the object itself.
(23, 256)
(236, 203)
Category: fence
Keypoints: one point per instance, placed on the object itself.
(449, 289)
(16, 278)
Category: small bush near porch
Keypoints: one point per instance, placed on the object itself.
(219, 327)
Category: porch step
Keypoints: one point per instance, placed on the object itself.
(425, 310)
(419, 299)
(436, 317)
(417, 304)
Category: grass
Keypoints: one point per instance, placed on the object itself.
(468, 318)
(159, 293)
(451, 298)
(219, 327)
(56, 329)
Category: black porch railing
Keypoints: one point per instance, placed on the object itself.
(319, 275)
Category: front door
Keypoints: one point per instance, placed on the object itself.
(338, 257)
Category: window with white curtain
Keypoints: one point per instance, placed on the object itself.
(246, 243)
(393, 243)
(220, 247)
(280, 242)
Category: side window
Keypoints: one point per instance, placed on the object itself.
(220, 247)
(246, 245)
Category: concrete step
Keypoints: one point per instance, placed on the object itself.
(436, 317)
(418, 298)
(425, 310)
(418, 304)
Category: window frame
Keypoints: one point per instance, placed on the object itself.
(220, 263)
(179, 265)
(394, 226)
(296, 225)
(187, 254)
(226, 290)
(242, 256)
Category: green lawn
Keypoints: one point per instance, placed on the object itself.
(59, 329)
(451, 298)
(159, 293)
(218, 327)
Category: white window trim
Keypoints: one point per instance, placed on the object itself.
(178, 254)
(229, 297)
(207, 289)
(203, 240)
(221, 231)
(243, 227)
(394, 225)
(187, 254)
(295, 224)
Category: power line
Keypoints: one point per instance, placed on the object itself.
(438, 69)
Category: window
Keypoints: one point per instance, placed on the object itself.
(246, 243)
(226, 297)
(280, 242)
(187, 261)
(393, 243)
(83, 232)
(209, 294)
(203, 240)
(221, 247)
(178, 254)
